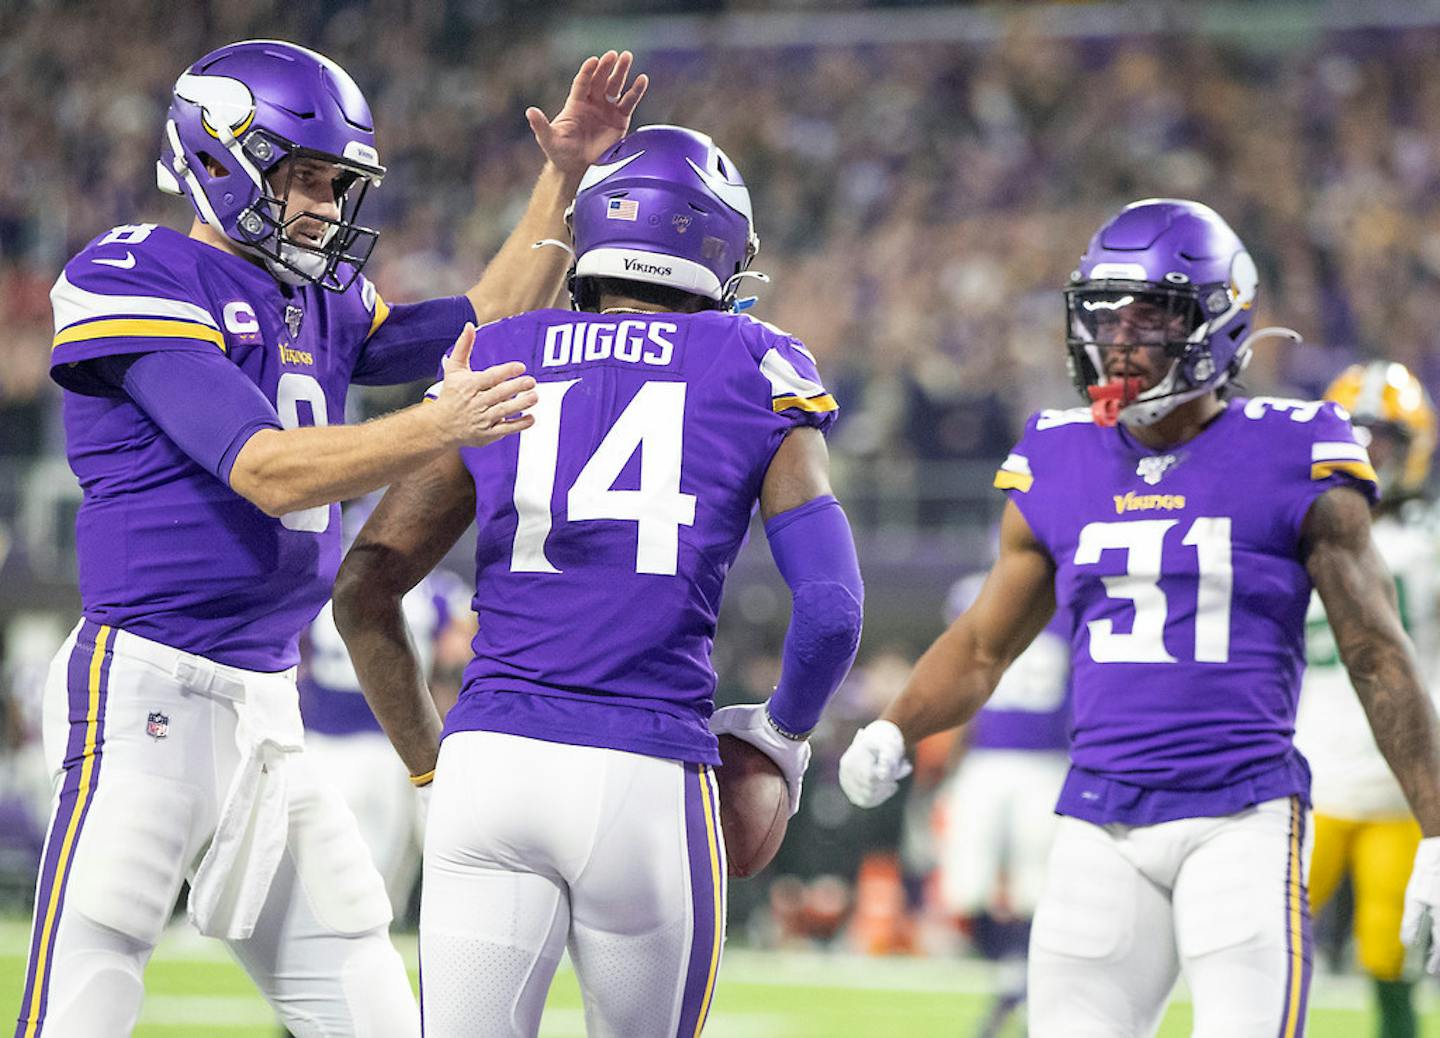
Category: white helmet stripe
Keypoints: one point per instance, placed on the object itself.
(736, 196)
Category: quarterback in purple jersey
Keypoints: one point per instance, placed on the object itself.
(1182, 529)
(205, 378)
(575, 801)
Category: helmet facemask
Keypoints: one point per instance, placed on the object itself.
(1111, 321)
(267, 228)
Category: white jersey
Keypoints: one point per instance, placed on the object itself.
(1351, 778)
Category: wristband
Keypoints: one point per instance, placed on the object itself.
(421, 781)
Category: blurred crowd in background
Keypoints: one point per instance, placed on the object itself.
(920, 206)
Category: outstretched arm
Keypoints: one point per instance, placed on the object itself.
(415, 524)
(957, 674)
(596, 115)
(1359, 596)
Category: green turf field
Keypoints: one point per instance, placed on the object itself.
(193, 988)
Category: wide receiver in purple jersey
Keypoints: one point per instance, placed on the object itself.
(205, 379)
(574, 799)
(1184, 539)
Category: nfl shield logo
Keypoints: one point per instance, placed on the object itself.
(293, 316)
(157, 725)
(1153, 468)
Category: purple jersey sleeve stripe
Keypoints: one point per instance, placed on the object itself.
(138, 328)
(87, 685)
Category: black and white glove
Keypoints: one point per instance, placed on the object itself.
(751, 723)
(871, 769)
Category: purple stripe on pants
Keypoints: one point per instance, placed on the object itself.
(1296, 893)
(702, 836)
(67, 821)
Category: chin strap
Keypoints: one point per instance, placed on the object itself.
(1107, 401)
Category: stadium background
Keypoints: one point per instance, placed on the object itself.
(924, 179)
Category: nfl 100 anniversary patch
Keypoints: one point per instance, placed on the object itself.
(1152, 469)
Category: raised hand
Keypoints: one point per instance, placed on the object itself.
(595, 116)
(480, 407)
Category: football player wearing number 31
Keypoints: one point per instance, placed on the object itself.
(575, 801)
(1183, 529)
(208, 535)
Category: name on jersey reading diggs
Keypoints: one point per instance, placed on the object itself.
(1133, 502)
(634, 342)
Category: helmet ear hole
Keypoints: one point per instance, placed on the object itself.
(213, 166)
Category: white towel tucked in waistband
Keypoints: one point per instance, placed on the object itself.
(234, 877)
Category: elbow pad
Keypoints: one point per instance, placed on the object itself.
(815, 553)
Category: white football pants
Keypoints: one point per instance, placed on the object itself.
(364, 769)
(1128, 908)
(143, 761)
(999, 823)
(533, 845)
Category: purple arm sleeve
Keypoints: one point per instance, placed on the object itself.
(210, 425)
(411, 340)
(815, 553)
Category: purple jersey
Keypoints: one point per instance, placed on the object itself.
(607, 528)
(1183, 572)
(166, 549)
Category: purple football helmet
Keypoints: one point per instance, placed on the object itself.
(667, 207)
(1165, 273)
(247, 107)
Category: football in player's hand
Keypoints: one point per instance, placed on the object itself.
(754, 806)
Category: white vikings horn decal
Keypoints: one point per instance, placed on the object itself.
(224, 102)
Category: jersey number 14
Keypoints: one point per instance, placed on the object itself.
(1143, 542)
(653, 422)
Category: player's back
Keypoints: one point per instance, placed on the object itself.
(606, 530)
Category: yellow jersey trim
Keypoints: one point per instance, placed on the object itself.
(1014, 481)
(134, 328)
(382, 311)
(815, 404)
(1359, 469)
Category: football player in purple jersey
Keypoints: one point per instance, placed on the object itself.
(1183, 529)
(574, 795)
(205, 379)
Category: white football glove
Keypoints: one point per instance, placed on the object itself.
(751, 722)
(1422, 901)
(871, 769)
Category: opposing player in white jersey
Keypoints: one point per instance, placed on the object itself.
(999, 805)
(204, 379)
(1184, 529)
(1363, 826)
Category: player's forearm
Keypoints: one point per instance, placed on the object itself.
(372, 623)
(1403, 721)
(283, 470)
(522, 277)
(948, 686)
